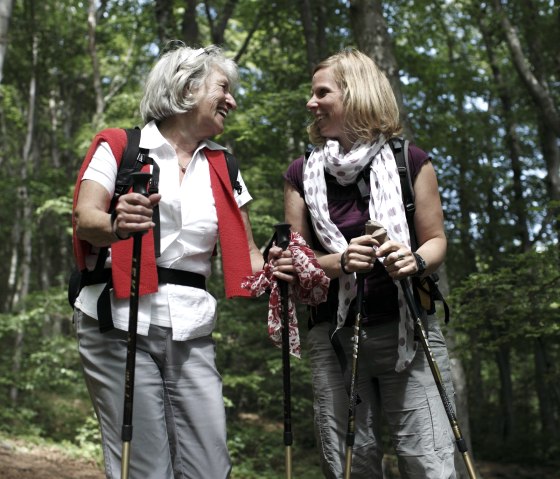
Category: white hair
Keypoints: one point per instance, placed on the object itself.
(177, 75)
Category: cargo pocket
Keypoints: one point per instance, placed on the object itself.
(440, 423)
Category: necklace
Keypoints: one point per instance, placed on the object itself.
(182, 168)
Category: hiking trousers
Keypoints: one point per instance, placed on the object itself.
(179, 425)
(409, 402)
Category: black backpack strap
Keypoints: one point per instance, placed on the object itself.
(127, 165)
(308, 151)
(133, 159)
(153, 187)
(233, 170)
(400, 151)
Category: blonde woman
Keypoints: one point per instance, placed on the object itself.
(349, 178)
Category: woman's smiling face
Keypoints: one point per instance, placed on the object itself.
(215, 103)
(326, 106)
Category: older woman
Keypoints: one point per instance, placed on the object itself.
(179, 418)
(354, 115)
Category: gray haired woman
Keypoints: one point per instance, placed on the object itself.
(179, 419)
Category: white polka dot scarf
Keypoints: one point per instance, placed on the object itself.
(385, 206)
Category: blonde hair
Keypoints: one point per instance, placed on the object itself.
(368, 99)
(177, 73)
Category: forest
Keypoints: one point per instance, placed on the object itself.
(478, 85)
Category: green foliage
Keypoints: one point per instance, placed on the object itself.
(512, 309)
(505, 303)
(88, 439)
(51, 388)
(257, 450)
(513, 303)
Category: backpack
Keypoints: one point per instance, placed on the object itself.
(132, 160)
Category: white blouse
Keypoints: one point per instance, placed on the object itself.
(189, 232)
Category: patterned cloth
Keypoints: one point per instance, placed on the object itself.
(385, 206)
(311, 288)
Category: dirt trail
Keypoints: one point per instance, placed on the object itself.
(19, 460)
(24, 461)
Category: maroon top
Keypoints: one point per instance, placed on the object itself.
(350, 212)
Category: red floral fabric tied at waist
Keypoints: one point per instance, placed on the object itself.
(311, 288)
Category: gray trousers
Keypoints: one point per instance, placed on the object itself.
(179, 426)
(409, 401)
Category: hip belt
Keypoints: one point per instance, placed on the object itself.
(165, 276)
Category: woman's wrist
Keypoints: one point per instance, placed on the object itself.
(114, 227)
(343, 264)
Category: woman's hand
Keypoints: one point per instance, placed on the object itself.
(399, 261)
(359, 257)
(133, 214)
(282, 266)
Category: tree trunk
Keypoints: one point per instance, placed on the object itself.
(549, 420)
(460, 386)
(5, 15)
(218, 23)
(25, 240)
(309, 34)
(462, 411)
(538, 89)
(551, 153)
(251, 31)
(531, 75)
(511, 138)
(506, 391)
(165, 21)
(92, 46)
(372, 37)
(189, 26)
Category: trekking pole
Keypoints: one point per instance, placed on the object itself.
(415, 312)
(139, 182)
(351, 430)
(283, 240)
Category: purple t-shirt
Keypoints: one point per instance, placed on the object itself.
(350, 212)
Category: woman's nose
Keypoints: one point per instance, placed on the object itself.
(231, 101)
(312, 103)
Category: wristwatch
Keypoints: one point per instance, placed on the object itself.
(420, 263)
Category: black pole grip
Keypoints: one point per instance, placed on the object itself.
(282, 234)
(140, 182)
